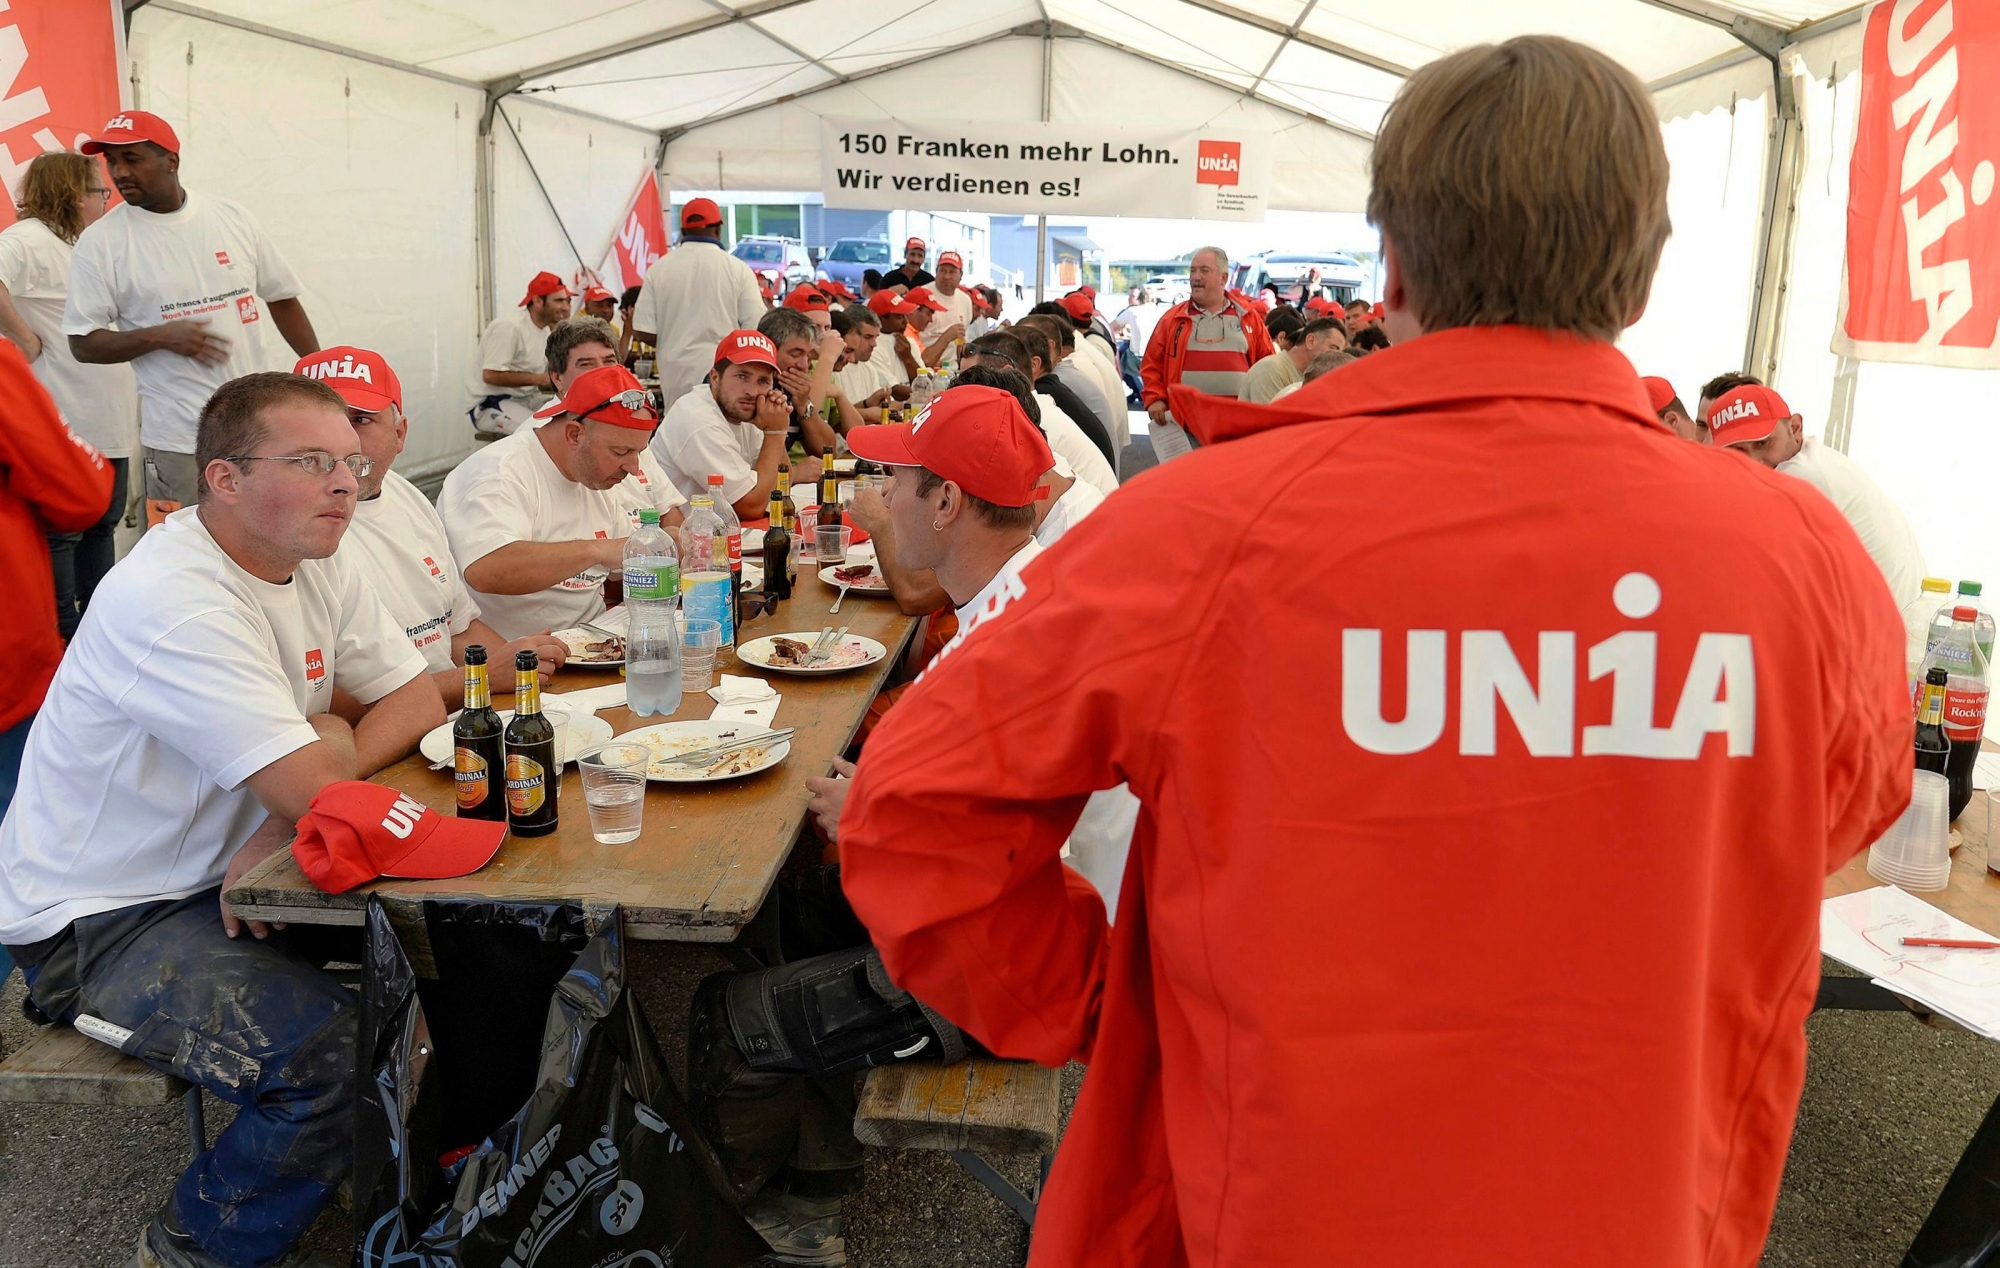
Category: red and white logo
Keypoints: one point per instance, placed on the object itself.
(432, 565)
(222, 258)
(404, 815)
(1218, 163)
(602, 533)
(246, 309)
(746, 342)
(315, 665)
(1733, 411)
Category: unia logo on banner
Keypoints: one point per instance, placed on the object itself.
(1219, 163)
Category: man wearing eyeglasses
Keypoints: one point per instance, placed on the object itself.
(184, 735)
(398, 542)
(539, 519)
(171, 281)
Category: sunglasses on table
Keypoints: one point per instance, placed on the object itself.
(316, 462)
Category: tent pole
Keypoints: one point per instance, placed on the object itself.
(1042, 221)
(483, 211)
(1783, 170)
(538, 185)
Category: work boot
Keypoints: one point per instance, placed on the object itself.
(799, 1231)
(165, 1244)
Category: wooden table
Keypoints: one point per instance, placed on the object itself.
(708, 853)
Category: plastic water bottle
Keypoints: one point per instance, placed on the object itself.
(652, 644)
(1969, 595)
(732, 526)
(705, 577)
(1917, 616)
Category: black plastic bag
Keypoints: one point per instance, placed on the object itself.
(515, 1109)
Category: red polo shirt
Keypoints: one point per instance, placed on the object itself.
(1493, 745)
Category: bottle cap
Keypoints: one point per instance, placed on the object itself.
(1965, 612)
(1936, 676)
(526, 661)
(715, 482)
(649, 516)
(475, 653)
(1972, 588)
(1937, 584)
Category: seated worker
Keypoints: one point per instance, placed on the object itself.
(1074, 449)
(1092, 348)
(1102, 393)
(807, 355)
(894, 359)
(733, 426)
(509, 382)
(1036, 337)
(1752, 420)
(1299, 340)
(203, 710)
(627, 302)
(815, 303)
(539, 519)
(599, 303)
(855, 373)
(397, 541)
(1666, 403)
(931, 343)
(772, 1053)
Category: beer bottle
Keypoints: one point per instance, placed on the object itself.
(780, 572)
(785, 493)
(478, 754)
(1933, 747)
(829, 492)
(532, 772)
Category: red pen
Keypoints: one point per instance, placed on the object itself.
(1971, 944)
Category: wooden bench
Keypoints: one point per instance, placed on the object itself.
(971, 1109)
(59, 1066)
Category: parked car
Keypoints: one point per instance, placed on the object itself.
(1341, 277)
(1171, 288)
(848, 258)
(782, 262)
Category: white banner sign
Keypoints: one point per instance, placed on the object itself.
(1044, 169)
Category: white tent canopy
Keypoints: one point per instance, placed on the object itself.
(419, 161)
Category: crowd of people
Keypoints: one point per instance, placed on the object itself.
(1138, 799)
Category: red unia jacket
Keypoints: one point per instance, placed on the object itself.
(51, 480)
(1166, 351)
(1493, 746)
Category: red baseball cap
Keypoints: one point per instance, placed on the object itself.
(922, 295)
(746, 347)
(542, 284)
(951, 258)
(837, 290)
(363, 379)
(1321, 304)
(354, 832)
(806, 299)
(976, 436)
(1659, 392)
(130, 127)
(701, 213)
(595, 294)
(608, 394)
(1078, 305)
(1745, 414)
(917, 243)
(888, 301)
(1088, 290)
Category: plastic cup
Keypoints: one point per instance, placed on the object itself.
(808, 542)
(558, 716)
(614, 788)
(1915, 853)
(833, 540)
(699, 642)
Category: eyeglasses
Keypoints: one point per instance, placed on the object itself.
(317, 462)
(636, 401)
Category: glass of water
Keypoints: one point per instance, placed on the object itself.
(614, 788)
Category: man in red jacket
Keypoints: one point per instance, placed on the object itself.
(1468, 921)
(1208, 342)
(50, 480)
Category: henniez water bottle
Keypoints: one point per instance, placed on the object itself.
(652, 594)
(1969, 595)
(1967, 684)
(705, 578)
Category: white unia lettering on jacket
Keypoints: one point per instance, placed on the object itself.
(1719, 694)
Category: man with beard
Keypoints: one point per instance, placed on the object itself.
(734, 426)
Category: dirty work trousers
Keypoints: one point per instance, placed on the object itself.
(259, 1024)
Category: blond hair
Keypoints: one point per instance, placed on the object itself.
(51, 189)
(1523, 183)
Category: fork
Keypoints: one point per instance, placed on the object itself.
(839, 599)
(714, 751)
(824, 649)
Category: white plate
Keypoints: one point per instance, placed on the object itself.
(753, 541)
(874, 583)
(668, 738)
(855, 652)
(584, 730)
(576, 640)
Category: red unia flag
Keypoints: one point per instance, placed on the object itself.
(59, 81)
(1923, 226)
(640, 240)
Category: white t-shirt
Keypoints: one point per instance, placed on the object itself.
(697, 440)
(99, 402)
(993, 597)
(693, 296)
(512, 491)
(399, 545)
(512, 342)
(1141, 318)
(209, 261)
(957, 308)
(1069, 443)
(859, 380)
(1876, 519)
(888, 367)
(1105, 368)
(187, 676)
(1069, 509)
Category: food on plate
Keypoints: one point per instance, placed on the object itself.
(789, 651)
(665, 749)
(605, 649)
(854, 572)
(589, 648)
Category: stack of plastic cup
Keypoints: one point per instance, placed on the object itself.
(1915, 853)
(699, 641)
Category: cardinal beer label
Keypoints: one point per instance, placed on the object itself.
(472, 777)
(527, 785)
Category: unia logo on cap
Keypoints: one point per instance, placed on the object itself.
(745, 343)
(345, 368)
(1218, 163)
(917, 423)
(119, 121)
(1734, 410)
(403, 816)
